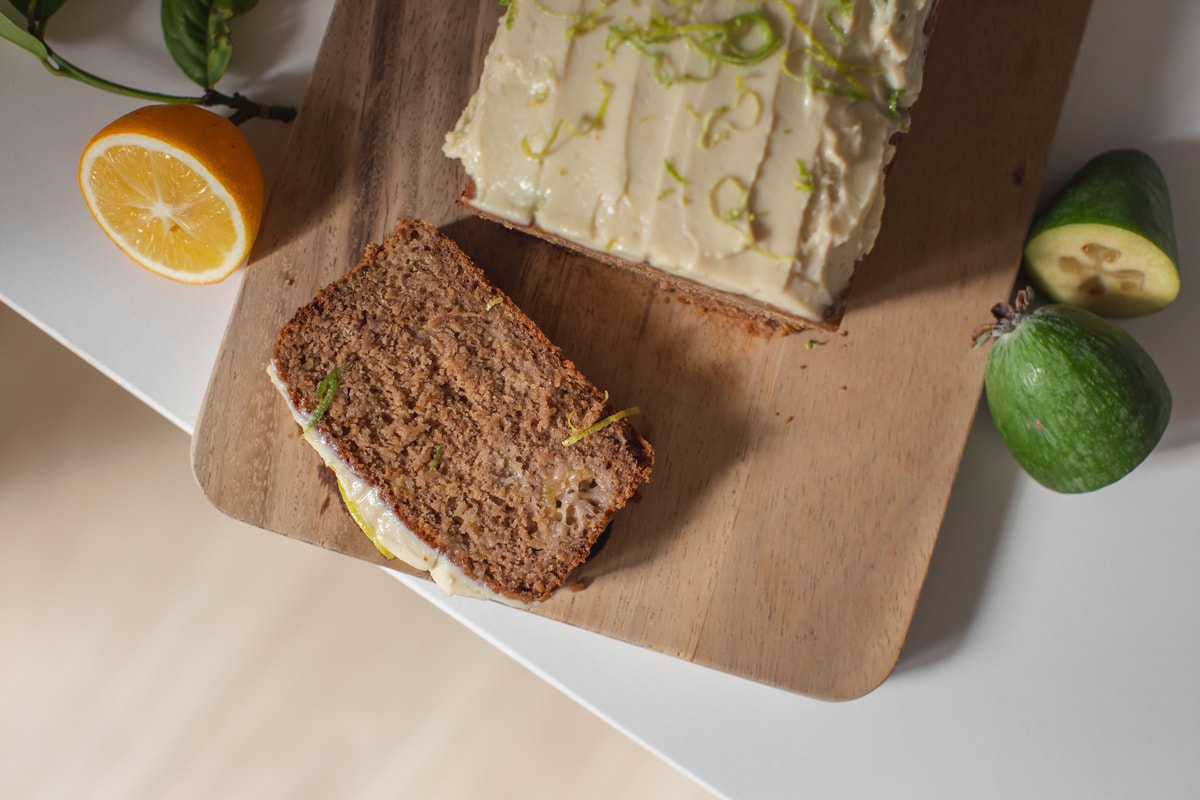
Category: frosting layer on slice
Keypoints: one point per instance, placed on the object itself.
(386, 528)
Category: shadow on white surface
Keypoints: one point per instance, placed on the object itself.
(86, 23)
(1166, 335)
(271, 26)
(1132, 89)
(961, 561)
(268, 137)
(257, 70)
(1132, 84)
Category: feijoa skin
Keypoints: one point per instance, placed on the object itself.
(1078, 402)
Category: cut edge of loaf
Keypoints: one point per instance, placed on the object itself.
(759, 318)
(622, 431)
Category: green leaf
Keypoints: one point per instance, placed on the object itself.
(197, 35)
(22, 38)
(185, 30)
(42, 9)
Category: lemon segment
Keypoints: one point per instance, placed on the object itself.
(362, 522)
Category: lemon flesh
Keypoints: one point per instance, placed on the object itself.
(169, 215)
(362, 522)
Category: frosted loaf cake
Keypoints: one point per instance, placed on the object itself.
(738, 146)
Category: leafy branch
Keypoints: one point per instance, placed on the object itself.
(197, 36)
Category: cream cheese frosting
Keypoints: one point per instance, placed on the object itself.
(739, 144)
(385, 526)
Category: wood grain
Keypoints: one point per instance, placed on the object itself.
(798, 489)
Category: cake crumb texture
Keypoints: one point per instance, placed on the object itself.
(455, 406)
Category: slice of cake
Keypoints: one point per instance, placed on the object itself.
(738, 149)
(463, 441)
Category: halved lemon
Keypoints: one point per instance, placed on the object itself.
(178, 188)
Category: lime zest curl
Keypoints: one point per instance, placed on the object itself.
(846, 9)
(327, 390)
(805, 182)
(588, 123)
(601, 425)
(673, 171)
(436, 461)
(580, 22)
(739, 216)
(511, 15)
(715, 127)
(718, 42)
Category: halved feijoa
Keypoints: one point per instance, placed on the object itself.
(1077, 400)
(1107, 241)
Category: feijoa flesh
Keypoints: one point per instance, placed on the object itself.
(1106, 242)
(1077, 400)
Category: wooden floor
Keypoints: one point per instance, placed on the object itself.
(152, 648)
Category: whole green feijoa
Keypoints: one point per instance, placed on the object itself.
(1078, 402)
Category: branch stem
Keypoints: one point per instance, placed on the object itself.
(244, 108)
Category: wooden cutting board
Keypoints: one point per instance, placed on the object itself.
(799, 488)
